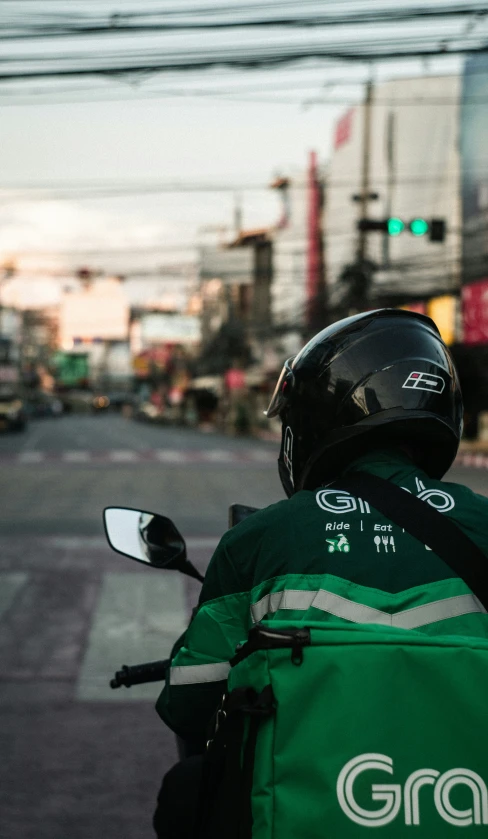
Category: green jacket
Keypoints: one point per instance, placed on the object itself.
(323, 555)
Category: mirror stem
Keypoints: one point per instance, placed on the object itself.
(190, 570)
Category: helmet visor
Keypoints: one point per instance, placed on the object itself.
(280, 395)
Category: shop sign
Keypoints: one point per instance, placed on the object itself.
(475, 312)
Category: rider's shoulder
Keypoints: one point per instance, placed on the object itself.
(464, 493)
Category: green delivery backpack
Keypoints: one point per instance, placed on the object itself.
(342, 729)
(328, 731)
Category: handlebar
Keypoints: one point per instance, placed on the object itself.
(139, 674)
(155, 671)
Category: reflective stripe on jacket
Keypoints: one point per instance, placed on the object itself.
(323, 555)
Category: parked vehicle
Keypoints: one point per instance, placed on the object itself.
(112, 400)
(39, 405)
(72, 369)
(12, 412)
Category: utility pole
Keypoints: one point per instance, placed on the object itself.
(390, 152)
(364, 195)
(237, 214)
(315, 286)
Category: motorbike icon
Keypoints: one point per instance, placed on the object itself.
(340, 544)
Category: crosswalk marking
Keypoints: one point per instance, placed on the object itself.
(170, 456)
(479, 461)
(76, 457)
(10, 584)
(221, 455)
(239, 457)
(30, 457)
(123, 456)
(261, 455)
(138, 619)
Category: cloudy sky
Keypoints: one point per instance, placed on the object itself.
(135, 137)
(225, 143)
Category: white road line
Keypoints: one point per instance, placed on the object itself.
(261, 456)
(10, 584)
(123, 456)
(138, 618)
(76, 456)
(170, 456)
(30, 457)
(218, 455)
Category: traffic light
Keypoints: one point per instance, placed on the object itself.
(437, 230)
(419, 226)
(393, 226)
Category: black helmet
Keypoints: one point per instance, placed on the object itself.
(367, 380)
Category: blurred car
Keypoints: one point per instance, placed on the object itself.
(40, 404)
(112, 400)
(100, 403)
(146, 411)
(12, 412)
(75, 401)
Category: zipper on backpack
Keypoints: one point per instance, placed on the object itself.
(264, 638)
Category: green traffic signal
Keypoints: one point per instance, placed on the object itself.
(395, 226)
(419, 227)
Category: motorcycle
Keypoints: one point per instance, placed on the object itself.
(154, 540)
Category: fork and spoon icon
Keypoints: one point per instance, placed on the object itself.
(384, 539)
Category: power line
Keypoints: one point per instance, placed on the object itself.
(85, 190)
(246, 58)
(180, 10)
(117, 24)
(236, 95)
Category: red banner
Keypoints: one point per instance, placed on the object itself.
(475, 312)
(343, 129)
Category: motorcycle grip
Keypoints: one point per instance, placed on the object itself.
(139, 674)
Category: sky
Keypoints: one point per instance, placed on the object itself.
(169, 140)
(159, 141)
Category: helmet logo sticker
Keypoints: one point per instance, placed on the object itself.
(425, 381)
(288, 451)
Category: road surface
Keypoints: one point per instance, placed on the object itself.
(81, 761)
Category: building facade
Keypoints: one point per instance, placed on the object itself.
(402, 149)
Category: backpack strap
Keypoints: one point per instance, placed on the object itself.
(225, 807)
(426, 523)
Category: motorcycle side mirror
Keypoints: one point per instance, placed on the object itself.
(145, 537)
